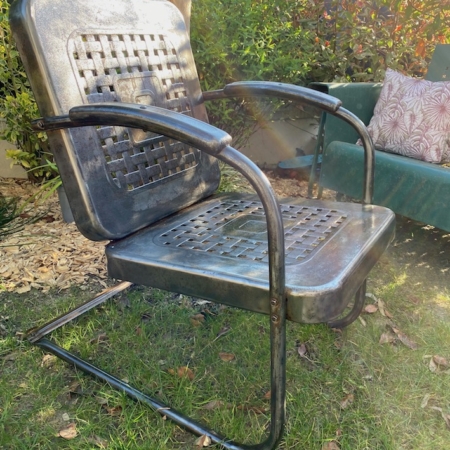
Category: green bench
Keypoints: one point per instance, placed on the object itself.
(410, 187)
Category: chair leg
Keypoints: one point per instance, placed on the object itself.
(278, 378)
(358, 305)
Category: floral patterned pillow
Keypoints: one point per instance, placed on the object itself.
(412, 118)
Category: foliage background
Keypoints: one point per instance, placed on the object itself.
(18, 108)
(292, 41)
(299, 41)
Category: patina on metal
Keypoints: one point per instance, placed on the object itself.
(117, 87)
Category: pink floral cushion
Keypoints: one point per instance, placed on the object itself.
(412, 118)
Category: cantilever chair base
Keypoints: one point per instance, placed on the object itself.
(37, 337)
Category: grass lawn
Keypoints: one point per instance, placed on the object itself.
(383, 383)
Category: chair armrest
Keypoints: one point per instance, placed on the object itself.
(280, 90)
(200, 135)
(323, 101)
(177, 126)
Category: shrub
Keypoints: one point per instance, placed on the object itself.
(298, 41)
(18, 108)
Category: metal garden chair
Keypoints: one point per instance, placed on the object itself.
(117, 87)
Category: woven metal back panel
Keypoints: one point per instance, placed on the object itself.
(118, 179)
(141, 69)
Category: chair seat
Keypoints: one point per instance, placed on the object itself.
(217, 250)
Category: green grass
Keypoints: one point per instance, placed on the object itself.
(146, 335)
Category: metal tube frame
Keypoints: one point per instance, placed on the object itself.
(218, 147)
(215, 144)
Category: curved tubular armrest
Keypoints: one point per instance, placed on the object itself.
(177, 126)
(311, 97)
(281, 90)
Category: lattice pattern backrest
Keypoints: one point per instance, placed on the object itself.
(118, 180)
(134, 68)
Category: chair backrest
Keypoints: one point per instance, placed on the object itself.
(439, 67)
(118, 180)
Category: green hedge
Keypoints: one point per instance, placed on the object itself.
(298, 41)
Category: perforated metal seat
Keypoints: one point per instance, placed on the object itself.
(116, 84)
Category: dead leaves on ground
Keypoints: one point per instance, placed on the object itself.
(332, 445)
(347, 401)
(444, 415)
(227, 357)
(182, 372)
(47, 253)
(69, 432)
(203, 441)
(438, 364)
(378, 305)
(393, 334)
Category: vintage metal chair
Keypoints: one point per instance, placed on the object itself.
(117, 87)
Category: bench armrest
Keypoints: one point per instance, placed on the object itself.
(358, 98)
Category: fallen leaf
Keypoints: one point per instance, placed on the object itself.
(183, 372)
(70, 432)
(383, 311)
(332, 445)
(74, 388)
(301, 349)
(101, 400)
(114, 410)
(222, 332)
(425, 400)
(197, 320)
(203, 441)
(268, 395)
(386, 338)
(227, 356)
(213, 404)
(370, 309)
(363, 322)
(347, 401)
(48, 360)
(65, 417)
(404, 339)
(445, 416)
(440, 361)
(23, 289)
(432, 366)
